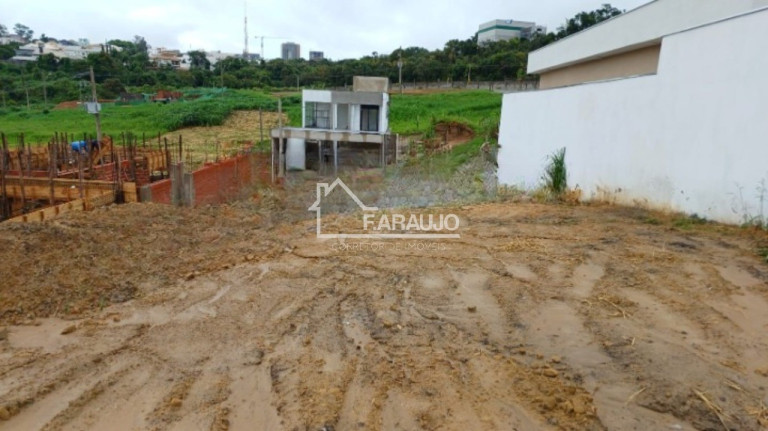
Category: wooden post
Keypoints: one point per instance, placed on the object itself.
(21, 175)
(81, 184)
(89, 148)
(51, 171)
(28, 149)
(132, 155)
(3, 167)
(96, 100)
(261, 128)
(167, 157)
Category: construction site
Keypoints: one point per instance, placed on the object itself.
(39, 182)
(180, 282)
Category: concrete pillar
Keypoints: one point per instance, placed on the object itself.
(320, 157)
(381, 154)
(335, 158)
(281, 158)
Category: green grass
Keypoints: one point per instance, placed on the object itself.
(555, 174)
(212, 109)
(689, 221)
(418, 113)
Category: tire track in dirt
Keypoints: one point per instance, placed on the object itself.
(574, 319)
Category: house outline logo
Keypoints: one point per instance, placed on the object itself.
(325, 189)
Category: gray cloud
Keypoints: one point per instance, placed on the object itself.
(340, 28)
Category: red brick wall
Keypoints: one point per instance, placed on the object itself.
(107, 172)
(218, 182)
(161, 191)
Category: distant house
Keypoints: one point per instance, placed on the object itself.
(339, 128)
(316, 55)
(662, 106)
(31, 51)
(166, 57)
(11, 38)
(506, 29)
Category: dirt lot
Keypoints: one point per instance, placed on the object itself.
(539, 317)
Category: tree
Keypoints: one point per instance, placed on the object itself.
(3, 30)
(23, 31)
(141, 45)
(112, 88)
(198, 60)
(584, 20)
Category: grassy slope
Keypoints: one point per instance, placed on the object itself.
(417, 114)
(409, 114)
(149, 118)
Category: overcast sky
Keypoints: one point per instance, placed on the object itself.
(340, 28)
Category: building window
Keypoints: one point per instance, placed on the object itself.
(317, 115)
(369, 118)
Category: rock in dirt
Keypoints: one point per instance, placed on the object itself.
(69, 329)
(4, 414)
(550, 372)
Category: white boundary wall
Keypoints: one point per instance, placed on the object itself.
(641, 26)
(692, 138)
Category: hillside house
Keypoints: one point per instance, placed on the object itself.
(339, 128)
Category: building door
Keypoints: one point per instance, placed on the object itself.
(369, 118)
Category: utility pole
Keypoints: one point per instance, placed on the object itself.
(26, 88)
(469, 75)
(97, 114)
(45, 89)
(400, 69)
(245, 31)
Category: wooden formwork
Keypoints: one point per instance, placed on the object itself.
(85, 204)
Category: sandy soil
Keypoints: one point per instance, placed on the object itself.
(540, 317)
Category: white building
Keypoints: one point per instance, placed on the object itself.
(506, 29)
(662, 106)
(11, 38)
(32, 50)
(163, 57)
(348, 128)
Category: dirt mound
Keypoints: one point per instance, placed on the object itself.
(448, 135)
(71, 104)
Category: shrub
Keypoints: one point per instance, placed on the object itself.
(555, 174)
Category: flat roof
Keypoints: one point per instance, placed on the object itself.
(643, 26)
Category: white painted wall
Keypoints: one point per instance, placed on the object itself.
(691, 138)
(643, 25)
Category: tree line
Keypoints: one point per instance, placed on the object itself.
(50, 79)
